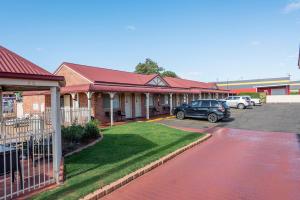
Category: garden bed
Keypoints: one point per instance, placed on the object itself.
(77, 136)
(123, 150)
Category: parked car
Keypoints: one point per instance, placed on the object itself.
(255, 101)
(240, 102)
(212, 110)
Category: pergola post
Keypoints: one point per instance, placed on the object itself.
(193, 97)
(147, 105)
(199, 97)
(74, 102)
(111, 95)
(89, 98)
(56, 124)
(217, 95)
(171, 103)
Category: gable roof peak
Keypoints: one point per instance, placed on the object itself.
(105, 75)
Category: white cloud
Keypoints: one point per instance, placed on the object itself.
(130, 27)
(290, 7)
(255, 43)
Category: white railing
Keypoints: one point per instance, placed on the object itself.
(71, 115)
(283, 99)
(26, 159)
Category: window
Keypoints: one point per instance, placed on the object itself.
(151, 103)
(214, 104)
(116, 101)
(35, 106)
(106, 101)
(166, 99)
(246, 98)
(151, 100)
(195, 104)
(157, 81)
(205, 104)
(236, 98)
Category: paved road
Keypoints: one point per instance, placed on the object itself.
(233, 164)
(270, 117)
(256, 155)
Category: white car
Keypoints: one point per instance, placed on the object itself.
(240, 102)
(255, 101)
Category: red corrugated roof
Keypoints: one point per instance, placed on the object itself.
(119, 88)
(99, 74)
(15, 66)
(184, 83)
(104, 75)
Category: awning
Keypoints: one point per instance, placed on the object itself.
(117, 88)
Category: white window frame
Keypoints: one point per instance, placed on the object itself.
(151, 100)
(166, 99)
(116, 103)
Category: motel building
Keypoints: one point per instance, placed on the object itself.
(112, 95)
(270, 86)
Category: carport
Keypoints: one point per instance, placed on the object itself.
(26, 144)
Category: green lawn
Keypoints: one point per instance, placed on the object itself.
(123, 149)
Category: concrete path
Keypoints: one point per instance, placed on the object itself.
(233, 164)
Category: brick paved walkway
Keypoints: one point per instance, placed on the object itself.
(233, 164)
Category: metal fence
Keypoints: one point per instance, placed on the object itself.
(26, 159)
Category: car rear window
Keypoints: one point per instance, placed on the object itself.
(224, 104)
(247, 98)
(214, 104)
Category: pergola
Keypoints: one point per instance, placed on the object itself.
(18, 74)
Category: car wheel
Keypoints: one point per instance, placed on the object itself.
(180, 115)
(252, 103)
(212, 117)
(241, 106)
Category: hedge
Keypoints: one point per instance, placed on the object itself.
(80, 134)
(251, 94)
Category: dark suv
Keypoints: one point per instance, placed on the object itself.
(212, 110)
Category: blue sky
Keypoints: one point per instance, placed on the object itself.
(200, 40)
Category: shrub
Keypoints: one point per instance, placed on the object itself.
(91, 130)
(72, 134)
(251, 94)
(77, 133)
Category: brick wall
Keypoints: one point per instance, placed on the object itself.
(33, 103)
(83, 101)
(71, 77)
(98, 107)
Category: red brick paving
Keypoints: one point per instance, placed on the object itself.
(233, 164)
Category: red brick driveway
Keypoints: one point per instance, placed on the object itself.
(233, 164)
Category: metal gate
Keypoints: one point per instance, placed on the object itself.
(26, 155)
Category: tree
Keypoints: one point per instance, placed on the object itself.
(169, 74)
(148, 67)
(151, 67)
